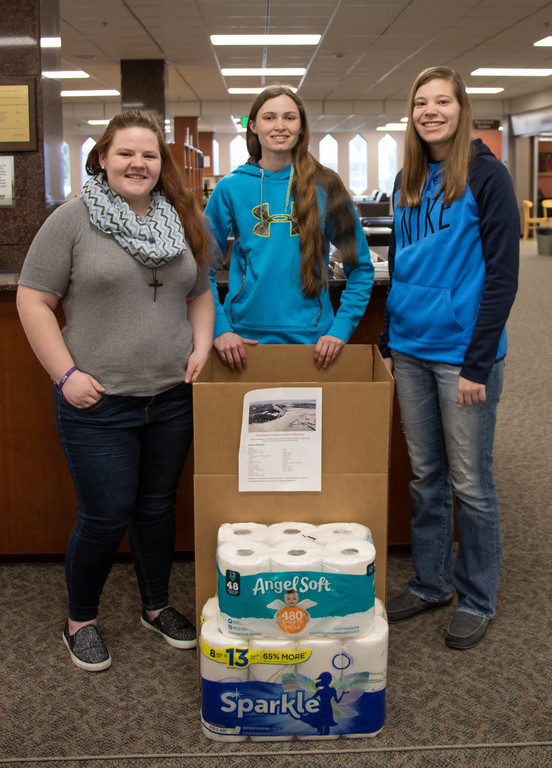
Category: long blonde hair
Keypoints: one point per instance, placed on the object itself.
(308, 173)
(171, 179)
(416, 154)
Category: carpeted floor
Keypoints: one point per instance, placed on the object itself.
(490, 706)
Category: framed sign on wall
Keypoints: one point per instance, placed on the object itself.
(18, 114)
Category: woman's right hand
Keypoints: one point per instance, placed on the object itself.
(231, 348)
(82, 390)
(389, 363)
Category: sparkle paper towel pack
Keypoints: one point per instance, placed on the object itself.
(294, 584)
(313, 688)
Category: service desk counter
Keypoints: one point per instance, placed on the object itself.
(36, 493)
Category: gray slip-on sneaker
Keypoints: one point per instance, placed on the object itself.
(407, 604)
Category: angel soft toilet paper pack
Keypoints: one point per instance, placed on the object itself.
(296, 588)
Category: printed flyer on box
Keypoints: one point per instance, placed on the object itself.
(281, 440)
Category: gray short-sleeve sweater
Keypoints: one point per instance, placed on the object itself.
(114, 329)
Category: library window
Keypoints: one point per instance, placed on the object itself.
(238, 152)
(358, 165)
(85, 149)
(328, 152)
(387, 163)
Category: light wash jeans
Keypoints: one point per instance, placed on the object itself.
(451, 451)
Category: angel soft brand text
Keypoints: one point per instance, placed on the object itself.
(298, 583)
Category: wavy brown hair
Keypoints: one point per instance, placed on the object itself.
(171, 179)
(416, 151)
(308, 174)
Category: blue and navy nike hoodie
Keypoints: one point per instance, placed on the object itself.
(265, 300)
(454, 270)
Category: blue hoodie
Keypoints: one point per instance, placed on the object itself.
(454, 270)
(265, 300)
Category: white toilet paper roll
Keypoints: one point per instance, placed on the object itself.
(270, 672)
(209, 610)
(326, 656)
(241, 532)
(324, 667)
(248, 558)
(368, 653)
(280, 533)
(296, 556)
(329, 532)
(349, 556)
(212, 639)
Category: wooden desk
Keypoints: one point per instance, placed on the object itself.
(37, 498)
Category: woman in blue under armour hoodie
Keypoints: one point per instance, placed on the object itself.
(283, 209)
(453, 261)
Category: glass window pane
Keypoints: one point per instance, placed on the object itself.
(328, 152)
(85, 149)
(216, 157)
(66, 169)
(238, 152)
(387, 163)
(358, 165)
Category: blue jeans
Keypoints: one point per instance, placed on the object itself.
(125, 455)
(451, 451)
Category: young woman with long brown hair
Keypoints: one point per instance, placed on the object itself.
(129, 260)
(453, 261)
(284, 209)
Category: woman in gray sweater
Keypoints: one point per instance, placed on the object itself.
(129, 259)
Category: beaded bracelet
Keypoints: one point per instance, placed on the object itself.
(66, 376)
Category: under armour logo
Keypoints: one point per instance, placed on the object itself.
(262, 213)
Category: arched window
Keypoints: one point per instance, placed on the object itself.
(238, 152)
(216, 158)
(328, 152)
(85, 149)
(358, 165)
(66, 157)
(387, 163)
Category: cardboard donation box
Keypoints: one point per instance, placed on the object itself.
(293, 630)
(357, 401)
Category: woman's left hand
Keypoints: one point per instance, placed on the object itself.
(326, 350)
(470, 392)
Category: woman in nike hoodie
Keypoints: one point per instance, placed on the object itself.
(453, 262)
(283, 209)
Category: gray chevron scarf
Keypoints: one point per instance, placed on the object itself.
(152, 240)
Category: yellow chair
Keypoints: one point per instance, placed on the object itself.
(547, 210)
(531, 222)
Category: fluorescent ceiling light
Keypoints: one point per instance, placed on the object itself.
(90, 93)
(392, 127)
(66, 74)
(97, 122)
(265, 39)
(252, 90)
(260, 72)
(484, 90)
(545, 42)
(511, 72)
(50, 42)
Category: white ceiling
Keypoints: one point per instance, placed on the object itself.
(357, 77)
